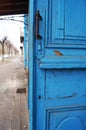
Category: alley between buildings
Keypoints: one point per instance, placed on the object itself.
(13, 101)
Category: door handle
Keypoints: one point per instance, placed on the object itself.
(38, 18)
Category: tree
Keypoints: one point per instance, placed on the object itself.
(3, 41)
(11, 49)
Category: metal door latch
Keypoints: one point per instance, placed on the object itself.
(38, 18)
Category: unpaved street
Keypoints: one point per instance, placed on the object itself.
(13, 105)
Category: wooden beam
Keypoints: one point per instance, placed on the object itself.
(8, 7)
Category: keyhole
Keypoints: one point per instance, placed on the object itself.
(39, 97)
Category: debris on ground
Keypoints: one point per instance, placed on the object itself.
(21, 90)
(25, 126)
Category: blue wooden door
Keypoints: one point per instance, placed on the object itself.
(58, 91)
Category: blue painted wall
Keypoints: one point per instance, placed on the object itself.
(25, 41)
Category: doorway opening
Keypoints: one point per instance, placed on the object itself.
(13, 76)
(13, 66)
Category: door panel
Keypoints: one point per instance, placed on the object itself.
(60, 65)
(65, 22)
(67, 119)
(55, 20)
(67, 89)
(75, 26)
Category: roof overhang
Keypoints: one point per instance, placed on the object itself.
(9, 7)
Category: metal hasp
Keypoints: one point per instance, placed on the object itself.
(38, 18)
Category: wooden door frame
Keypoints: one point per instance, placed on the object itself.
(31, 89)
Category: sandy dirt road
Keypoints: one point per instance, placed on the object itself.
(13, 106)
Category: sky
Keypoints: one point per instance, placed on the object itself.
(11, 29)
